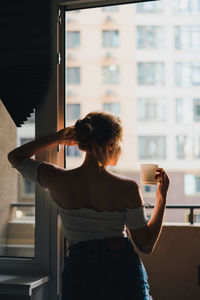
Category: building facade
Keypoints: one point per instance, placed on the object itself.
(141, 62)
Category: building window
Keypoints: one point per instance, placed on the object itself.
(73, 151)
(111, 74)
(150, 73)
(73, 112)
(187, 6)
(152, 147)
(187, 37)
(110, 38)
(188, 146)
(150, 188)
(149, 7)
(151, 110)
(187, 74)
(110, 8)
(113, 108)
(29, 187)
(72, 39)
(73, 75)
(191, 184)
(187, 110)
(25, 140)
(150, 37)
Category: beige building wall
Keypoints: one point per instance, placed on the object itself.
(8, 175)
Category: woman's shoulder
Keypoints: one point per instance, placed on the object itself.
(123, 179)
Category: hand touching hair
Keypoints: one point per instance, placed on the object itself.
(93, 133)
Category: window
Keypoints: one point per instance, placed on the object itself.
(151, 110)
(73, 151)
(187, 110)
(188, 146)
(187, 74)
(111, 74)
(25, 140)
(73, 75)
(150, 73)
(150, 188)
(196, 110)
(150, 37)
(110, 8)
(187, 37)
(113, 108)
(17, 198)
(149, 7)
(72, 39)
(110, 38)
(152, 147)
(191, 184)
(187, 6)
(29, 187)
(73, 112)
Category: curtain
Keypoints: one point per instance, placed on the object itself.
(25, 62)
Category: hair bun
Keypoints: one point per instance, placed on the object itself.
(84, 129)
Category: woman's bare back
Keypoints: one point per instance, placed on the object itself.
(83, 188)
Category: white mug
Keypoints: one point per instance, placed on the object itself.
(148, 173)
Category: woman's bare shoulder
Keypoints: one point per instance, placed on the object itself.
(131, 191)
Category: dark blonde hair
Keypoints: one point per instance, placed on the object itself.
(93, 132)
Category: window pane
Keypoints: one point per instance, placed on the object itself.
(152, 147)
(73, 111)
(110, 38)
(152, 91)
(73, 151)
(17, 198)
(111, 74)
(150, 73)
(188, 147)
(73, 39)
(187, 74)
(150, 37)
(187, 37)
(187, 6)
(113, 108)
(151, 110)
(110, 8)
(73, 75)
(149, 7)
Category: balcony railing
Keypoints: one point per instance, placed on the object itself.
(191, 207)
(177, 206)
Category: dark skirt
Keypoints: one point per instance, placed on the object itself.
(93, 271)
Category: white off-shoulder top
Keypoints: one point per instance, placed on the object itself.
(86, 223)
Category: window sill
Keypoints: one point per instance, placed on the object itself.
(20, 284)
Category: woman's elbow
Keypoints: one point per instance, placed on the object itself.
(10, 157)
(13, 159)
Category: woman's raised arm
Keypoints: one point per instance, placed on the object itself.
(146, 237)
(27, 150)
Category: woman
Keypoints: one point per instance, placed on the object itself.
(101, 212)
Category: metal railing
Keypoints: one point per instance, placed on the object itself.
(191, 207)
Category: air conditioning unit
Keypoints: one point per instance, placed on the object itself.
(109, 18)
(109, 54)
